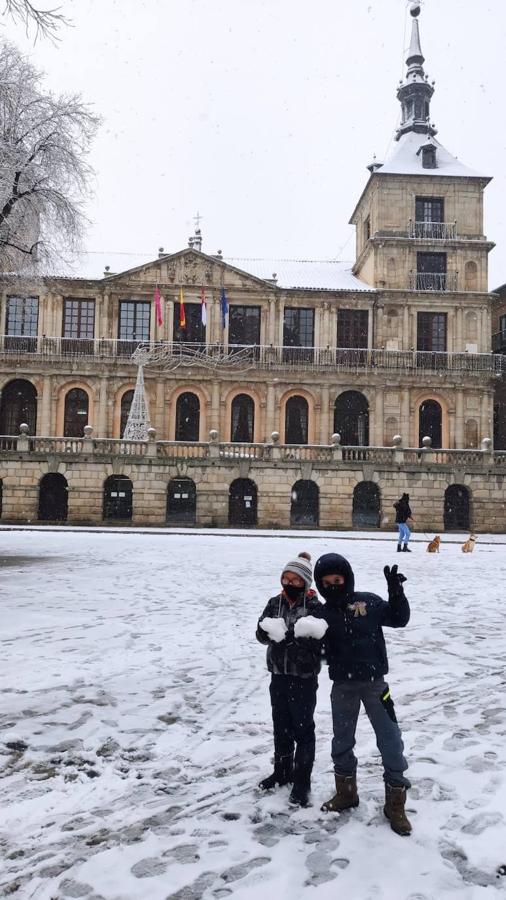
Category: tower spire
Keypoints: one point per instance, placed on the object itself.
(415, 92)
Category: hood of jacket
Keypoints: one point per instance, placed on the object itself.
(334, 564)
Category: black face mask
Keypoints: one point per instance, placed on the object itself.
(293, 592)
(335, 593)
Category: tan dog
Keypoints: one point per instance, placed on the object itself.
(433, 547)
(468, 546)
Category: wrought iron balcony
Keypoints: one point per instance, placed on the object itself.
(433, 281)
(433, 231)
(175, 356)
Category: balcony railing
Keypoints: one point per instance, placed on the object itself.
(433, 231)
(227, 453)
(433, 281)
(177, 356)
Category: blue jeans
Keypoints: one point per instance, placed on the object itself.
(404, 533)
(375, 695)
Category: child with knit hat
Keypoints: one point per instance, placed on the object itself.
(292, 628)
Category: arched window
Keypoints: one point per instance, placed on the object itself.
(471, 276)
(242, 502)
(181, 502)
(366, 505)
(351, 419)
(126, 404)
(76, 413)
(431, 423)
(471, 434)
(457, 511)
(243, 419)
(53, 498)
(296, 421)
(18, 404)
(305, 504)
(118, 498)
(187, 417)
(391, 429)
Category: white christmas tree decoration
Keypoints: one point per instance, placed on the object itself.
(138, 418)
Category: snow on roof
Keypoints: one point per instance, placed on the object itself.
(403, 159)
(325, 275)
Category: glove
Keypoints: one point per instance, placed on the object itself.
(395, 581)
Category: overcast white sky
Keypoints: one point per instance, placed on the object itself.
(263, 114)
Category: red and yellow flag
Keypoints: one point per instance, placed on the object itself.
(182, 314)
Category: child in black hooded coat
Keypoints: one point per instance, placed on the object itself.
(357, 659)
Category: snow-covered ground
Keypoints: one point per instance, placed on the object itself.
(129, 669)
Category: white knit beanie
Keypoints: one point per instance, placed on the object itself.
(301, 567)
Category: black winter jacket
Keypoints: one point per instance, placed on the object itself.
(293, 656)
(402, 510)
(354, 643)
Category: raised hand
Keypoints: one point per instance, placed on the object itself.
(395, 580)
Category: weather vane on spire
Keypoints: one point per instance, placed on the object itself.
(197, 219)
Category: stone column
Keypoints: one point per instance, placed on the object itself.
(215, 409)
(325, 427)
(101, 426)
(487, 422)
(46, 429)
(159, 418)
(405, 423)
(459, 421)
(378, 430)
(405, 330)
(459, 331)
(271, 323)
(450, 332)
(270, 412)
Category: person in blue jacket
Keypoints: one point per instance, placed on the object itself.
(357, 658)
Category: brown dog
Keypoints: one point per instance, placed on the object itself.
(433, 547)
(468, 546)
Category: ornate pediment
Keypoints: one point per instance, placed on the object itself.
(190, 269)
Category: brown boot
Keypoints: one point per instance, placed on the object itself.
(346, 795)
(395, 801)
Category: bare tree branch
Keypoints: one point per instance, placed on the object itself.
(46, 21)
(44, 172)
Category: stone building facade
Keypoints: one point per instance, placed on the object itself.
(397, 346)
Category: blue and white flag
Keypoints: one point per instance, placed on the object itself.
(224, 308)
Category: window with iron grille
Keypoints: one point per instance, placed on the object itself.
(78, 318)
(502, 324)
(244, 325)
(22, 316)
(298, 327)
(431, 332)
(134, 317)
(429, 209)
(352, 328)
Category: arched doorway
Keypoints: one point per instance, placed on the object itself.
(118, 498)
(76, 413)
(457, 511)
(351, 419)
(430, 419)
(181, 502)
(242, 503)
(18, 404)
(305, 504)
(53, 498)
(126, 404)
(243, 419)
(296, 421)
(187, 417)
(366, 505)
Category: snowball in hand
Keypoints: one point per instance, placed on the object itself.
(311, 627)
(275, 628)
